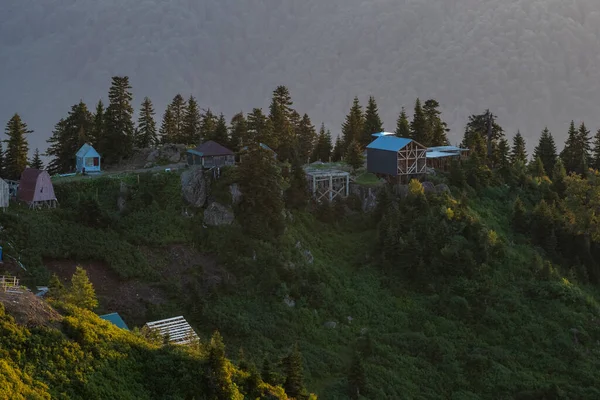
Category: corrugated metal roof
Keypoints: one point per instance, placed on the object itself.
(446, 148)
(115, 319)
(389, 143)
(379, 134)
(212, 148)
(87, 150)
(440, 154)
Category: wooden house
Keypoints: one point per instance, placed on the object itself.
(4, 194)
(87, 159)
(440, 157)
(210, 154)
(36, 189)
(396, 157)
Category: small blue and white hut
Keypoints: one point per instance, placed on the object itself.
(87, 159)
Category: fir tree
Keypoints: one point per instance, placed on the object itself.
(178, 108)
(307, 137)
(262, 202)
(519, 220)
(356, 379)
(280, 113)
(503, 154)
(36, 161)
(546, 150)
(146, 135)
(297, 196)
(267, 373)
(82, 292)
(238, 133)
(569, 153)
(323, 147)
(519, 152)
(208, 125)
(476, 136)
(418, 126)
(353, 126)
(402, 125)
(56, 289)
(97, 125)
(595, 157)
(2, 170)
(192, 123)
(537, 168)
(15, 157)
(260, 129)
(220, 376)
(372, 124)
(436, 128)
(167, 128)
(294, 375)
(576, 154)
(338, 150)
(354, 155)
(220, 135)
(117, 140)
(559, 175)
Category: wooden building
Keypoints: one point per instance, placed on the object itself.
(327, 184)
(396, 157)
(440, 157)
(36, 189)
(87, 160)
(211, 154)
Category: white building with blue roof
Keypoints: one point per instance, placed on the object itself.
(87, 159)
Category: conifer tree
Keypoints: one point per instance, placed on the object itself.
(280, 114)
(36, 161)
(208, 125)
(221, 130)
(546, 150)
(418, 126)
(559, 175)
(192, 123)
(537, 168)
(372, 124)
(294, 375)
(323, 147)
(167, 128)
(297, 196)
(179, 110)
(82, 292)
(260, 128)
(354, 155)
(353, 126)
(476, 136)
(595, 157)
(356, 379)
(220, 372)
(117, 142)
(436, 128)
(307, 137)
(402, 125)
(338, 150)
(15, 157)
(266, 373)
(238, 133)
(2, 170)
(98, 125)
(520, 221)
(56, 289)
(519, 152)
(576, 154)
(146, 135)
(262, 202)
(569, 153)
(503, 154)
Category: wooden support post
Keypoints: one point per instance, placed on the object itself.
(330, 188)
(347, 185)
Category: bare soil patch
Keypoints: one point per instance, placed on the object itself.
(29, 310)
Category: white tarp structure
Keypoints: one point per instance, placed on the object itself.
(177, 329)
(4, 193)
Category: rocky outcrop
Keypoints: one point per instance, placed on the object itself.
(122, 199)
(217, 214)
(442, 188)
(172, 153)
(236, 194)
(194, 187)
(428, 187)
(366, 195)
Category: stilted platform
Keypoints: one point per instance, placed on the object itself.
(328, 184)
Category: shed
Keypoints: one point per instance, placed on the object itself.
(440, 157)
(397, 157)
(115, 319)
(210, 154)
(4, 193)
(88, 159)
(35, 189)
(177, 330)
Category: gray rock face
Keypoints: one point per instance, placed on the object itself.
(236, 194)
(194, 187)
(217, 214)
(122, 199)
(442, 187)
(172, 153)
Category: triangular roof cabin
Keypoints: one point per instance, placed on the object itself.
(211, 154)
(87, 157)
(36, 189)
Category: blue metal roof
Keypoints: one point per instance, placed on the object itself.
(115, 319)
(379, 134)
(389, 143)
(87, 151)
(195, 152)
(440, 154)
(446, 149)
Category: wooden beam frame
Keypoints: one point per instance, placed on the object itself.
(412, 159)
(328, 185)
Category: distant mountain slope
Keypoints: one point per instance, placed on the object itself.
(533, 62)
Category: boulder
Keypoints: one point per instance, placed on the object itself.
(428, 187)
(153, 156)
(217, 214)
(236, 194)
(442, 188)
(193, 187)
(330, 324)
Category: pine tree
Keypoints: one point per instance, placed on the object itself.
(402, 125)
(353, 126)
(178, 108)
(354, 155)
(297, 196)
(15, 157)
(537, 168)
(117, 140)
(585, 147)
(167, 127)
(338, 150)
(262, 202)
(267, 374)
(220, 376)
(238, 133)
(546, 150)
(372, 124)
(208, 125)
(56, 289)
(520, 218)
(519, 152)
(2, 169)
(576, 154)
(323, 147)
(146, 133)
(82, 292)
(97, 125)
(260, 129)
(36, 161)
(503, 154)
(307, 139)
(280, 112)
(476, 136)
(418, 126)
(221, 130)
(436, 128)
(294, 375)
(559, 176)
(192, 123)
(595, 158)
(357, 380)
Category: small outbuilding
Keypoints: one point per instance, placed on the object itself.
(176, 330)
(87, 159)
(36, 189)
(211, 154)
(396, 157)
(4, 193)
(440, 157)
(115, 319)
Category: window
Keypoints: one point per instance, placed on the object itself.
(89, 162)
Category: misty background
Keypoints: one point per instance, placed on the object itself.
(532, 62)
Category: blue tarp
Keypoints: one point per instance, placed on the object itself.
(115, 319)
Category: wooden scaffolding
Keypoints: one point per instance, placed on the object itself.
(412, 159)
(176, 330)
(328, 185)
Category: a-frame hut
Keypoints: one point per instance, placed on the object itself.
(87, 159)
(4, 194)
(36, 189)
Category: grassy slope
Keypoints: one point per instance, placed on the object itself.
(469, 339)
